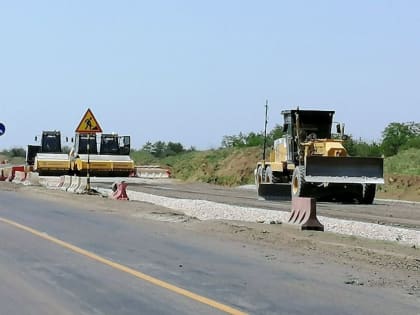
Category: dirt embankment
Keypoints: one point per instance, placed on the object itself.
(241, 164)
(403, 187)
(238, 168)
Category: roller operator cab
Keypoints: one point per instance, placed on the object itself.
(315, 163)
(85, 144)
(48, 157)
(115, 145)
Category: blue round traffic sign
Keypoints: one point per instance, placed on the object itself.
(2, 129)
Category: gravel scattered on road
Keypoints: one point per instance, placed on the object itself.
(208, 210)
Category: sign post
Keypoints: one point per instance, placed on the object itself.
(88, 163)
(88, 125)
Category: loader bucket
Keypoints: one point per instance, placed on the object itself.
(274, 191)
(345, 170)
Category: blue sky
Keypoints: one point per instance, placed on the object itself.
(194, 71)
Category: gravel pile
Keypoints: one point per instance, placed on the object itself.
(208, 210)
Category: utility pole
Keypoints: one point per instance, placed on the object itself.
(265, 129)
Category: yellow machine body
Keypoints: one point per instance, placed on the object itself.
(52, 163)
(316, 163)
(108, 157)
(103, 165)
(48, 157)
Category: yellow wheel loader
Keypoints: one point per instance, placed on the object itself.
(309, 162)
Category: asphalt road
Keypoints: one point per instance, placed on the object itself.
(43, 276)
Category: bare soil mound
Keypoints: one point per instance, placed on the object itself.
(404, 187)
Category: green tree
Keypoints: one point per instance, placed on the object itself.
(275, 133)
(158, 148)
(161, 149)
(148, 147)
(413, 142)
(17, 152)
(362, 148)
(252, 139)
(175, 147)
(397, 135)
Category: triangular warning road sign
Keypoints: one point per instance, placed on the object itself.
(88, 124)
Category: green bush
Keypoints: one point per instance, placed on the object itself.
(397, 136)
(161, 149)
(252, 139)
(406, 162)
(14, 152)
(141, 157)
(362, 148)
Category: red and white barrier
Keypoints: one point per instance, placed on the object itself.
(11, 176)
(75, 183)
(32, 179)
(5, 172)
(83, 185)
(19, 177)
(120, 191)
(66, 183)
(152, 171)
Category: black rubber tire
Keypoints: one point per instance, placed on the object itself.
(268, 175)
(258, 176)
(369, 191)
(299, 185)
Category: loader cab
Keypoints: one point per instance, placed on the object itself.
(313, 124)
(82, 141)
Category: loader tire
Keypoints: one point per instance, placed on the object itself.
(258, 176)
(268, 175)
(299, 185)
(369, 191)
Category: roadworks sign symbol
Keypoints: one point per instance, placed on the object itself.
(88, 124)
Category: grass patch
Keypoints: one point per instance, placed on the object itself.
(12, 160)
(406, 162)
(143, 158)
